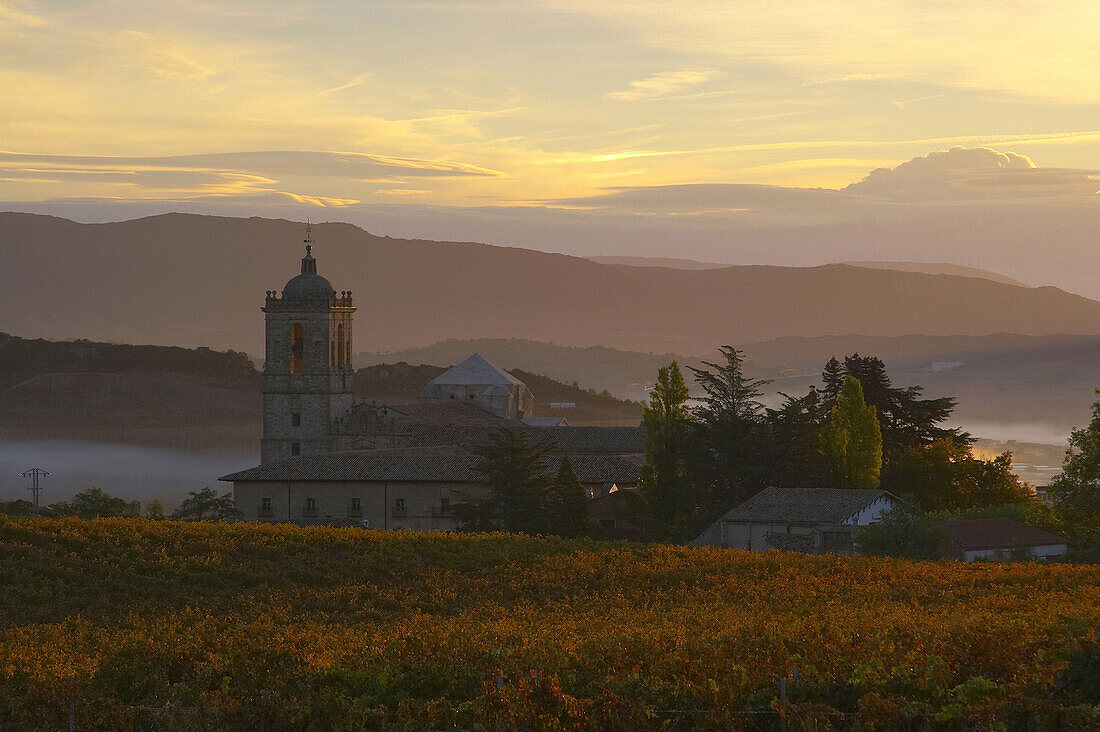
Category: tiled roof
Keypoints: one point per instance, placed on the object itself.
(804, 505)
(617, 469)
(574, 440)
(441, 463)
(445, 415)
(475, 370)
(996, 533)
(545, 422)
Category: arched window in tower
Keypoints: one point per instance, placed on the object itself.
(340, 346)
(297, 349)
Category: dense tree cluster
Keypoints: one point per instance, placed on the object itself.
(526, 490)
(1075, 493)
(204, 505)
(857, 431)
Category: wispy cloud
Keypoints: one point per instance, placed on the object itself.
(663, 84)
(905, 103)
(357, 80)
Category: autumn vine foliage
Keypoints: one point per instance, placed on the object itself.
(145, 624)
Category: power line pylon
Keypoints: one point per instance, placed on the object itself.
(34, 474)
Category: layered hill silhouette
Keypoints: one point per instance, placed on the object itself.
(1033, 388)
(198, 399)
(200, 280)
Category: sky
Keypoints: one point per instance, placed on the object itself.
(555, 123)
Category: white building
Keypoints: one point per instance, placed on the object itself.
(810, 520)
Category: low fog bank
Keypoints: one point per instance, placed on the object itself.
(126, 471)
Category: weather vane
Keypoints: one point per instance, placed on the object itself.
(309, 235)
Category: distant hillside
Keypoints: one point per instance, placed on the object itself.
(401, 382)
(197, 399)
(1029, 388)
(142, 395)
(940, 268)
(933, 268)
(200, 280)
(598, 367)
(670, 262)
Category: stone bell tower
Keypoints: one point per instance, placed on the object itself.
(308, 376)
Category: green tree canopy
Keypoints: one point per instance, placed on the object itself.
(1075, 492)
(666, 486)
(795, 434)
(851, 441)
(904, 417)
(905, 533)
(95, 503)
(154, 509)
(733, 457)
(565, 506)
(513, 474)
(207, 505)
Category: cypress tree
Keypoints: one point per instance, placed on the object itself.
(851, 440)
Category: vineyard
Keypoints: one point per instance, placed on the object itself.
(135, 624)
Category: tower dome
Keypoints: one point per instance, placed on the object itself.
(309, 284)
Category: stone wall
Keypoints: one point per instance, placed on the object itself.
(419, 506)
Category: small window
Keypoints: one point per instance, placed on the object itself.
(399, 504)
(265, 506)
(444, 504)
(356, 505)
(296, 448)
(311, 504)
(296, 419)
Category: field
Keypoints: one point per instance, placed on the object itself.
(136, 624)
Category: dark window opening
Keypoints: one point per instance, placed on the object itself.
(355, 507)
(296, 419)
(265, 506)
(310, 509)
(399, 507)
(295, 448)
(297, 349)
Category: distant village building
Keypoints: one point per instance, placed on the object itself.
(809, 520)
(327, 459)
(1000, 538)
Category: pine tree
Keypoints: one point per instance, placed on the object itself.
(565, 507)
(795, 429)
(730, 425)
(832, 378)
(851, 440)
(513, 474)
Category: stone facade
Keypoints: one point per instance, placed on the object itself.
(308, 374)
(326, 459)
(417, 505)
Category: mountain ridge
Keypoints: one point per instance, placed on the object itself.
(192, 280)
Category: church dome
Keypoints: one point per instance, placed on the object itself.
(308, 284)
